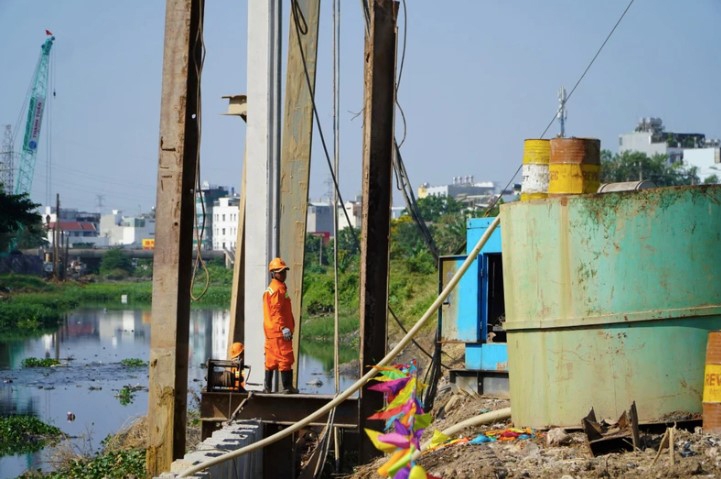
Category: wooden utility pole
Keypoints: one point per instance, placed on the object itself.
(236, 329)
(56, 239)
(238, 106)
(378, 140)
(178, 155)
(295, 150)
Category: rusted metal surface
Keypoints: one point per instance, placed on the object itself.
(179, 136)
(216, 407)
(296, 149)
(609, 299)
(574, 166)
(712, 384)
(603, 438)
(452, 330)
(380, 54)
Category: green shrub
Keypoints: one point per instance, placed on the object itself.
(114, 259)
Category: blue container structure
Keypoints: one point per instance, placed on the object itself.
(474, 312)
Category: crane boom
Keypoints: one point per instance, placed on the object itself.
(36, 106)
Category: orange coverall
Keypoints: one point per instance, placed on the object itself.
(277, 314)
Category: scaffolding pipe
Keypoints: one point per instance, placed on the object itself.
(369, 375)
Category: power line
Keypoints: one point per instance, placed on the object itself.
(578, 82)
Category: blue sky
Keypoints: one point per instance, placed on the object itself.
(479, 77)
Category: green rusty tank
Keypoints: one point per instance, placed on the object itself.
(609, 300)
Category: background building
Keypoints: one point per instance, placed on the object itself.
(693, 149)
(467, 191)
(225, 223)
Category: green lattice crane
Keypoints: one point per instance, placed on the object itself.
(36, 107)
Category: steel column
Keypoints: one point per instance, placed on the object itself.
(377, 159)
(262, 163)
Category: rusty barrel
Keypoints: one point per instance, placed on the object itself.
(536, 154)
(712, 384)
(574, 166)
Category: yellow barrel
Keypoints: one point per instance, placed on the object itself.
(712, 384)
(574, 166)
(536, 154)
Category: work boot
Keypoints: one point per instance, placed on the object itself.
(286, 378)
(268, 383)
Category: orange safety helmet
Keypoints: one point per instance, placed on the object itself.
(236, 349)
(277, 265)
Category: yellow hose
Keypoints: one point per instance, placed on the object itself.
(369, 375)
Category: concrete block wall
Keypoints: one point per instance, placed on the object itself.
(229, 438)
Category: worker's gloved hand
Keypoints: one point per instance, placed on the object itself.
(287, 335)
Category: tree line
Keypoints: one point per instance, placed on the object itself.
(22, 226)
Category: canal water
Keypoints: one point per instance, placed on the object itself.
(82, 396)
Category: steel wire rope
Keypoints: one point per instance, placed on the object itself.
(578, 82)
(400, 74)
(336, 287)
(325, 445)
(336, 164)
(198, 61)
(105, 179)
(366, 377)
(402, 177)
(298, 16)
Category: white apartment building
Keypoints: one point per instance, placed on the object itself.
(693, 149)
(650, 138)
(130, 231)
(706, 160)
(225, 223)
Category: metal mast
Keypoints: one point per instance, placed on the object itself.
(7, 157)
(26, 166)
(562, 113)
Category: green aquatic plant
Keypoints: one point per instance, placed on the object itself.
(122, 464)
(126, 394)
(133, 363)
(25, 434)
(39, 362)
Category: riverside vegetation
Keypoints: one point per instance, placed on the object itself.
(31, 306)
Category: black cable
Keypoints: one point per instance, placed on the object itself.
(297, 12)
(198, 62)
(412, 204)
(297, 15)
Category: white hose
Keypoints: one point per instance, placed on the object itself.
(369, 375)
(485, 418)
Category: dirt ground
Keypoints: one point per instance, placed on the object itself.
(696, 454)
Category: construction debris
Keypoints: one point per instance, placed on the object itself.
(603, 438)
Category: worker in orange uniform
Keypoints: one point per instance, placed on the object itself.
(236, 372)
(278, 325)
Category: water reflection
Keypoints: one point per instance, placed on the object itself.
(90, 345)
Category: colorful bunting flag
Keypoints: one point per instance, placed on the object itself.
(405, 421)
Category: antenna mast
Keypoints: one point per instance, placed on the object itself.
(562, 113)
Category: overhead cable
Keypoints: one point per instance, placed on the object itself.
(578, 82)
